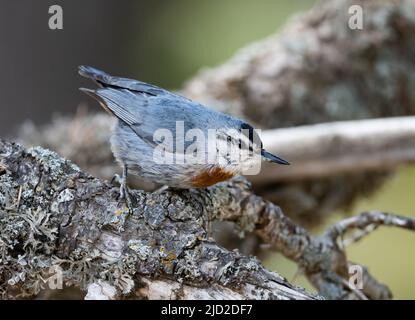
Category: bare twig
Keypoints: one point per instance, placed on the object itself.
(369, 219)
(66, 212)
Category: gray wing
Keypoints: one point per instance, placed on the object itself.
(118, 103)
(146, 108)
(106, 80)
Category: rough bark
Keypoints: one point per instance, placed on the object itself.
(53, 214)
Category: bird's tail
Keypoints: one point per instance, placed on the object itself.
(99, 98)
(92, 73)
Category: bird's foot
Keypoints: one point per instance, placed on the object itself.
(116, 178)
(125, 195)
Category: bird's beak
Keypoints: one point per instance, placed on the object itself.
(270, 157)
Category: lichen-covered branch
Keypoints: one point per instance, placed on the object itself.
(53, 214)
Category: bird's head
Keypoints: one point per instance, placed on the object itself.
(241, 147)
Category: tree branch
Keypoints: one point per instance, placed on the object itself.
(322, 259)
(52, 214)
(66, 218)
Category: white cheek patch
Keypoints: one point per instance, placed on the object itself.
(222, 156)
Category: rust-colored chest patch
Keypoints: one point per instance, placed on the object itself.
(209, 177)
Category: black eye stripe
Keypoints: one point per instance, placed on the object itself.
(246, 128)
(252, 135)
(242, 145)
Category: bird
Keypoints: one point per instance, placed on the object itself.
(153, 126)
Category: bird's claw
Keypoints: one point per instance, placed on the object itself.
(125, 195)
(117, 179)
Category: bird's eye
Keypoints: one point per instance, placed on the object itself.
(229, 139)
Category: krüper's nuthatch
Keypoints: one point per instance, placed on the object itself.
(142, 109)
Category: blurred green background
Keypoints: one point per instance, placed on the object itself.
(185, 36)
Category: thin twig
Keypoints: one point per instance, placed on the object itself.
(366, 219)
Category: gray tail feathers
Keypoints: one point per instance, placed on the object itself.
(96, 96)
(90, 92)
(105, 80)
(115, 102)
(94, 74)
